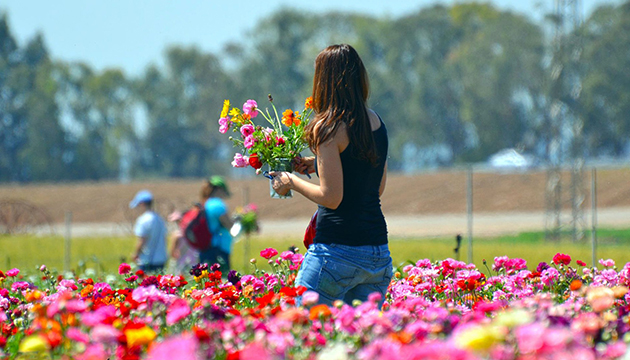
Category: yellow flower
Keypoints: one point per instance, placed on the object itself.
(234, 112)
(33, 343)
(143, 336)
(480, 337)
(226, 108)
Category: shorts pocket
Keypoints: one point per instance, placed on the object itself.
(336, 278)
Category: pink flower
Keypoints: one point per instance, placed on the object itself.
(182, 347)
(20, 285)
(13, 272)
(287, 255)
(563, 259)
(268, 253)
(77, 335)
(93, 352)
(280, 141)
(240, 161)
(224, 125)
(310, 298)
(178, 310)
(297, 258)
(607, 263)
(132, 278)
(106, 334)
(247, 130)
(249, 142)
(124, 268)
(251, 108)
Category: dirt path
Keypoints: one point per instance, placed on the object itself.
(484, 224)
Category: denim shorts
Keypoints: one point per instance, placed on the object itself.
(346, 272)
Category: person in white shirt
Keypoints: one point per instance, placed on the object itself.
(150, 254)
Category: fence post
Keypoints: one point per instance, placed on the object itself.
(594, 216)
(68, 238)
(246, 241)
(469, 208)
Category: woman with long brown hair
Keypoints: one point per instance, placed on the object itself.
(349, 258)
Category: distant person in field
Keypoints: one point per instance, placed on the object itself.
(213, 193)
(183, 254)
(150, 254)
(349, 258)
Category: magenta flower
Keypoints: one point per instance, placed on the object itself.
(224, 125)
(287, 255)
(268, 253)
(77, 335)
(124, 268)
(607, 263)
(177, 311)
(92, 352)
(13, 272)
(250, 108)
(249, 142)
(280, 141)
(247, 130)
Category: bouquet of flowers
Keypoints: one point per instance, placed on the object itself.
(247, 216)
(275, 145)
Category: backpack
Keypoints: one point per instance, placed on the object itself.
(194, 227)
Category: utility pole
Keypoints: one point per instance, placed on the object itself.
(565, 145)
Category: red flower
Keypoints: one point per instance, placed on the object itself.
(563, 259)
(269, 253)
(581, 263)
(124, 269)
(254, 161)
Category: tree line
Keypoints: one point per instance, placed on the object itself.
(456, 82)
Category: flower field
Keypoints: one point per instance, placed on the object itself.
(433, 310)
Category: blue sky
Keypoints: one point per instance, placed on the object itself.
(133, 33)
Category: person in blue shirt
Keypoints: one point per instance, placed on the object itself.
(150, 253)
(213, 193)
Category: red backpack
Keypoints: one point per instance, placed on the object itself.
(194, 227)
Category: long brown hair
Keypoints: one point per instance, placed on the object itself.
(340, 91)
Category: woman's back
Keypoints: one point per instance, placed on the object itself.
(358, 220)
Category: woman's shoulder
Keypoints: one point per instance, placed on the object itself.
(375, 120)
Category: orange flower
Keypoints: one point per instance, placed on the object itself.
(290, 118)
(321, 310)
(308, 104)
(575, 285)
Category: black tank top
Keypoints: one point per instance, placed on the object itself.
(358, 220)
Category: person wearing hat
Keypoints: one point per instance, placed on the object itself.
(150, 253)
(213, 193)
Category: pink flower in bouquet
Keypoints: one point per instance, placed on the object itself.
(240, 161)
(249, 142)
(607, 263)
(251, 108)
(224, 125)
(124, 269)
(247, 130)
(268, 253)
(563, 259)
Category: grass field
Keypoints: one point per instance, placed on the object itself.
(103, 255)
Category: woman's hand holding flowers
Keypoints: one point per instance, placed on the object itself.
(304, 165)
(281, 181)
